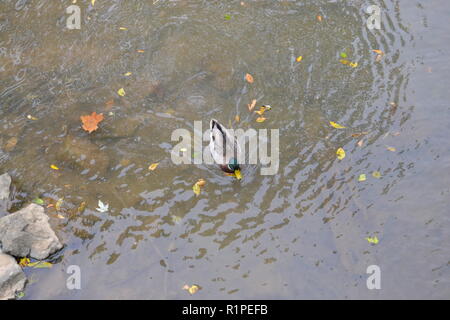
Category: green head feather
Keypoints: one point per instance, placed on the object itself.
(233, 164)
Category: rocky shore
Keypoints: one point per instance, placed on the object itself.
(23, 234)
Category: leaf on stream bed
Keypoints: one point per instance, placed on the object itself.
(249, 78)
(191, 289)
(153, 166)
(90, 122)
(362, 177)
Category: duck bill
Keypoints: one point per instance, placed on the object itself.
(238, 174)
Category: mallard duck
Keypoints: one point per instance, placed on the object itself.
(224, 149)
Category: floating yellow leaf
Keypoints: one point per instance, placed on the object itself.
(196, 188)
(121, 92)
(191, 289)
(263, 109)
(123, 28)
(153, 166)
(201, 183)
(40, 265)
(300, 58)
(128, 74)
(54, 167)
(30, 117)
(24, 262)
(392, 149)
(336, 125)
(373, 240)
(93, 2)
(141, 51)
(340, 153)
(376, 174)
(261, 119)
(362, 177)
(353, 64)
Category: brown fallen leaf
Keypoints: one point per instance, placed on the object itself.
(90, 123)
(359, 134)
(109, 104)
(11, 144)
(249, 78)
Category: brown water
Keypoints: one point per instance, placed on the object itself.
(298, 234)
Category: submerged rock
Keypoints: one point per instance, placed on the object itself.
(28, 233)
(5, 183)
(83, 154)
(12, 278)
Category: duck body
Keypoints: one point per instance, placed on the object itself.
(224, 149)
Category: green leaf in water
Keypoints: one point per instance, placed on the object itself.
(20, 295)
(343, 55)
(39, 201)
(227, 17)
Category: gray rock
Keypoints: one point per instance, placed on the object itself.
(5, 183)
(12, 278)
(28, 233)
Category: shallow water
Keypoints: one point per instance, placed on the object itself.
(297, 234)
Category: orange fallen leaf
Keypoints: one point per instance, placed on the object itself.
(249, 78)
(90, 122)
(201, 183)
(237, 118)
(378, 52)
(319, 18)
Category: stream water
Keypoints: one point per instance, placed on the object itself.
(300, 233)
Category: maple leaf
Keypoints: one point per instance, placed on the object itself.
(90, 123)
